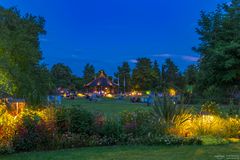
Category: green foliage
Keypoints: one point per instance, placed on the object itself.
(210, 140)
(169, 113)
(210, 108)
(215, 93)
(111, 128)
(219, 32)
(6, 85)
(88, 73)
(233, 109)
(32, 134)
(23, 75)
(141, 77)
(124, 76)
(75, 120)
(156, 77)
(164, 140)
(81, 121)
(61, 75)
(139, 123)
(171, 75)
(62, 120)
(76, 83)
(232, 129)
(190, 75)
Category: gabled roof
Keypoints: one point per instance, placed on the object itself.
(102, 81)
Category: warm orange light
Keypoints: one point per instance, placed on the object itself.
(109, 96)
(133, 93)
(80, 95)
(172, 92)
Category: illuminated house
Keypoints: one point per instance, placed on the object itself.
(101, 85)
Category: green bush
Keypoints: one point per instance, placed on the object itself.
(111, 128)
(233, 109)
(138, 123)
(74, 120)
(214, 93)
(81, 121)
(62, 120)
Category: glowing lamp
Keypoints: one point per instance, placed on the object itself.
(148, 92)
(172, 92)
(109, 96)
(80, 95)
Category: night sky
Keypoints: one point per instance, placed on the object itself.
(107, 32)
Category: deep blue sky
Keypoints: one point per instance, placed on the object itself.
(107, 32)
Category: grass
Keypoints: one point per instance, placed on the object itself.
(114, 107)
(135, 153)
(106, 106)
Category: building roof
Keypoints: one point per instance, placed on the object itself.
(101, 81)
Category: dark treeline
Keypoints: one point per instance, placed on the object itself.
(146, 75)
(215, 77)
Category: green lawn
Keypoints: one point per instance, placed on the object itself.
(114, 107)
(106, 106)
(135, 153)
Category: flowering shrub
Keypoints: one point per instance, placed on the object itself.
(8, 124)
(212, 125)
(51, 128)
(33, 132)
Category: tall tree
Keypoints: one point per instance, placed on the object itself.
(62, 75)
(124, 77)
(142, 75)
(156, 77)
(172, 75)
(190, 75)
(88, 73)
(219, 32)
(76, 83)
(20, 54)
(190, 81)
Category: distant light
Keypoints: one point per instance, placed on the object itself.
(172, 92)
(109, 96)
(148, 92)
(80, 95)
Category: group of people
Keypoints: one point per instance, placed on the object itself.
(148, 100)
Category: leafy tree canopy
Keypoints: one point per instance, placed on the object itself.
(219, 32)
(88, 73)
(124, 76)
(20, 55)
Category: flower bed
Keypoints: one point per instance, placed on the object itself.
(56, 128)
